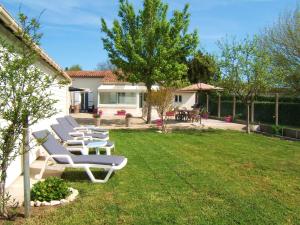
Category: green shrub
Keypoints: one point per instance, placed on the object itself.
(52, 188)
(277, 130)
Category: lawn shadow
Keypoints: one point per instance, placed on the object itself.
(75, 175)
(196, 132)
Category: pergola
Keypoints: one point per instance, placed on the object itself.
(202, 87)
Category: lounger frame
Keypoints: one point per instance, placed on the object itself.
(85, 166)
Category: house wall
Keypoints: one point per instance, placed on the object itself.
(88, 83)
(62, 106)
(188, 100)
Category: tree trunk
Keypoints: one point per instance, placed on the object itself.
(234, 107)
(277, 109)
(2, 190)
(248, 118)
(149, 104)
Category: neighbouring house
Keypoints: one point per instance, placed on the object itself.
(102, 90)
(8, 28)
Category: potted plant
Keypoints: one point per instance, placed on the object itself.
(128, 118)
(97, 118)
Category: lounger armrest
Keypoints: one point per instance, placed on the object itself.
(80, 128)
(76, 134)
(74, 142)
(70, 161)
(87, 138)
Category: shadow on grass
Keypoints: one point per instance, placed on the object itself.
(75, 175)
(192, 131)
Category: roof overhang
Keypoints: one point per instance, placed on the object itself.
(10, 23)
(124, 87)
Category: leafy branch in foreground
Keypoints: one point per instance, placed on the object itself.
(25, 94)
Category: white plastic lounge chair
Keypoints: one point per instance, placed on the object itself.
(76, 126)
(81, 144)
(67, 126)
(61, 155)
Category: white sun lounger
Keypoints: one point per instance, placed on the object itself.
(61, 155)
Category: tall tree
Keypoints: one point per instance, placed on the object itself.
(202, 67)
(105, 66)
(283, 43)
(147, 46)
(245, 68)
(25, 95)
(75, 67)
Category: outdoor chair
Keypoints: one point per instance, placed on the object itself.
(92, 128)
(81, 144)
(81, 134)
(120, 113)
(61, 155)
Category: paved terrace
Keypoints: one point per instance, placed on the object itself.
(118, 122)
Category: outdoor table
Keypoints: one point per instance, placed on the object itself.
(96, 145)
(183, 115)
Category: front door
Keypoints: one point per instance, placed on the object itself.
(84, 102)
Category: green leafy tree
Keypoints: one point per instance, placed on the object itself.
(283, 43)
(25, 95)
(75, 67)
(245, 68)
(203, 68)
(147, 46)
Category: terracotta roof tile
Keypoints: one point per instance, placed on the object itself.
(107, 76)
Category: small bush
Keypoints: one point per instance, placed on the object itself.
(277, 130)
(52, 188)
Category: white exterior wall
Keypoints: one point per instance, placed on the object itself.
(88, 83)
(61, 94)
(62, 106)
(188, 100)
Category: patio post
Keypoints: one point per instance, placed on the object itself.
(252, 112)
(219, 106)
(276, 109)
(26, 169)
(207, 102)
(234, 107)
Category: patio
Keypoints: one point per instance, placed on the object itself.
(118, 122)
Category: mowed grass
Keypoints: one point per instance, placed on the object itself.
(189, 177)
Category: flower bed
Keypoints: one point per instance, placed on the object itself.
(70, 198)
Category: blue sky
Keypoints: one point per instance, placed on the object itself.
(72, 27)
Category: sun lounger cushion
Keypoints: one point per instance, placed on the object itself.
(99, 159)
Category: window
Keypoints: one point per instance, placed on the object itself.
(178, 98)
(108, 98)
(118, 98)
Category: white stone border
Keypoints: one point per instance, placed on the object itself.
(70, 198)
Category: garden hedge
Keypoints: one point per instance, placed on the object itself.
(264, 109)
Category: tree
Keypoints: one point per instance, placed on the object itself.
(283, 43)
(25, 95)
(162, 100)
(105, 66)
(202, 68)
(245, 68)
(147, 46)
(75, 67)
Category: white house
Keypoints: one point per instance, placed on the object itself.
(102, 90)
(8, 28)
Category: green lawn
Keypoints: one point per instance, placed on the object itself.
(189, 177)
